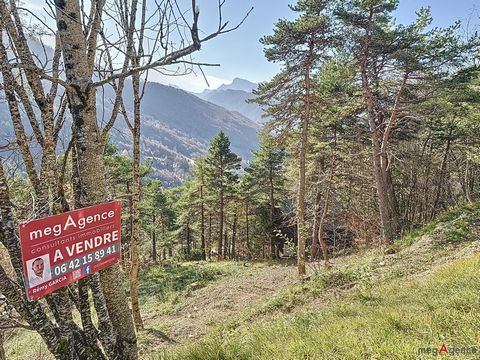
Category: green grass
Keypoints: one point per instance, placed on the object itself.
(453, 214)
(289, 298)
(163, 286)
(380, 316)
(364, 308)
(389, 322)
(22, 344)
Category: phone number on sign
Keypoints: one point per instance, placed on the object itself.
(76, 263)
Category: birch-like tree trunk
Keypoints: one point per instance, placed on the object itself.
(89, 149)
(72, 69)
(135, 240)
(202, 221)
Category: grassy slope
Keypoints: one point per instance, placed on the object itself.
(389, 322)
(370, 306)
(192, 302)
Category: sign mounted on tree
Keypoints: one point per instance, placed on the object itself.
(58, 250)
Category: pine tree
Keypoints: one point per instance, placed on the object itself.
(266, 181)
(222, 167)
(300, 46)
(392, 61)
(199, 173)
(154, 210)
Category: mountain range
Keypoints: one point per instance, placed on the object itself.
(234, 97)
(177, 126)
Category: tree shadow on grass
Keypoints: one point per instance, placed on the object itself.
(159, 335)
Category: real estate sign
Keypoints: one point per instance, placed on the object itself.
(60, 249)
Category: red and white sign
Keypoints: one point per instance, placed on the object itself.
(58, 250)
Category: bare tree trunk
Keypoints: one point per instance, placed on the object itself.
(154, 237)
(316, 224)
(443, 168)
(127, 239)
(326, 205)
(384, 186)
(234, 234)
(274, 251)
(210, 234)
(226, 245)
(220, 231)
(247, 225)
(14, 291)
(202, 223)
(301, 221)
(89, 148)
(135, 239)
(382, 190)
(388, 232)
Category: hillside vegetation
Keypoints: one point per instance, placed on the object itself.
(368, 305)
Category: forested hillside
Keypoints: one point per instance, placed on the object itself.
(140, 221)
(177, 127)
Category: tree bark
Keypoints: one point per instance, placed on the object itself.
(226, 245)
(301, 221)
(326, 205)
(202, 223)
(135, 240)
(220, 231)
(154, 237)
(379, 168)
(274, 250)
(209, 233)
(234, 235)
(14, 291)
(443, 168)
(247, 228)
(89, 149)
(316, 224)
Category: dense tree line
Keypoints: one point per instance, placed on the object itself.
(372, 131)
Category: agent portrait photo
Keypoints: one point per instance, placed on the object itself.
(38, 270)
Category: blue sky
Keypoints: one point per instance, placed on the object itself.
(241, 54)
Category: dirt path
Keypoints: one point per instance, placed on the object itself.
(214, 304)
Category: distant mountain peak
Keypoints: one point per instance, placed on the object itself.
(239, 84)
(234, 97)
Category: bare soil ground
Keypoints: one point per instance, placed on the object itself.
(214, 304)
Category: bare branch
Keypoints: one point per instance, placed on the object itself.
(174, 56)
